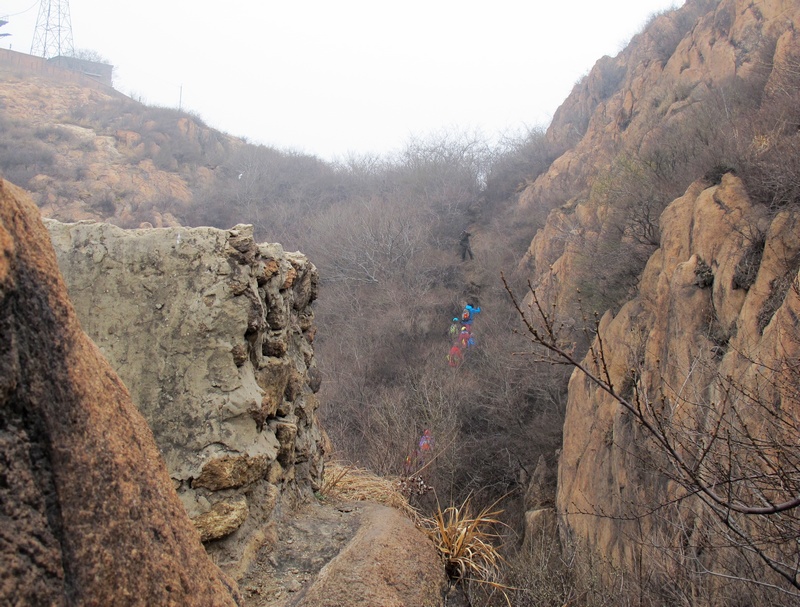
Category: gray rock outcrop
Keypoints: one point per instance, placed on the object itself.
(347, 554)
(212, 333)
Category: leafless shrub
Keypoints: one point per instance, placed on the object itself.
(105, 204)
(610, 73)
(517, 160)
(778, 288)
(714, 175)
(609, 269)
(23, 155)
(53, 133)
(667, 28)
(770, 165)
(704, 274)
(746, 271)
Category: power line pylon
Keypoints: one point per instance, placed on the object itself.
(53, 34)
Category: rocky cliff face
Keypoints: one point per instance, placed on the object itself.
(89, 513)
(630, 101)
(710, 315)
(713, 335)
(213, 333)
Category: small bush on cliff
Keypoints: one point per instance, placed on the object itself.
(746, 271)
(778, 289)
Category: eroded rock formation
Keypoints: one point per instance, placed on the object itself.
(89, 515)
(213, 334)
(702, 310)
(712, 339)
(629, 101)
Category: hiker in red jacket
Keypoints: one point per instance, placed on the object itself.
(456, 356)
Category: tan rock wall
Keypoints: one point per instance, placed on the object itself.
(675, 331)
(213, 335)
(685, 338)
(645, 99)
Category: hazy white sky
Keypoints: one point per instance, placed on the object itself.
(330, 77)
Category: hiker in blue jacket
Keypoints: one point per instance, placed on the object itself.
(468, 315)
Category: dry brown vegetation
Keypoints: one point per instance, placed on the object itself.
(343, 483)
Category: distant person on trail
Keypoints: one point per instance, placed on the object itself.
(466, 249)
(425, 445)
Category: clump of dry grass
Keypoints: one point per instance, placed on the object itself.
(348, 483)
(465, 543)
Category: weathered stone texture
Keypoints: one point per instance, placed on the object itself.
(388, 562)
(598, 120)
(88, 515)
(222, 519)
(212, 333)
(694, 346)
(689, 299)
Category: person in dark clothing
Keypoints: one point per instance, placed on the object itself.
(466, 249)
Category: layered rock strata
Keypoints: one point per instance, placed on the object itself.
(89, 514)
(213, 334)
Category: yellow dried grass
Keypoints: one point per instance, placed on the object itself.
(343, 482)
(465, 543)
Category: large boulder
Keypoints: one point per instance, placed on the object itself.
(89, 515)
(213, 335)
(388, 562)
(347, 554)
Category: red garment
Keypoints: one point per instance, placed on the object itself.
(456, 356)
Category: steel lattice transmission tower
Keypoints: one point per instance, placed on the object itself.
(53, 34)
